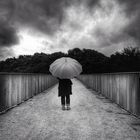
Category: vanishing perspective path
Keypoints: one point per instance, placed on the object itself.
(92, 117)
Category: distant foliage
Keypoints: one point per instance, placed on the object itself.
(92, 61)
(126, 61)
(37, 63)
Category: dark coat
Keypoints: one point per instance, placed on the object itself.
(65, 87)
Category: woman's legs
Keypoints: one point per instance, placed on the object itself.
(68, 102)
(63, 102)
(68, 99)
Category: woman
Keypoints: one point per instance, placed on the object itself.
(64, 91)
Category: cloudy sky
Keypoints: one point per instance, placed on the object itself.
(29, 26)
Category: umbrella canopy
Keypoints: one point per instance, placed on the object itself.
(65, 68)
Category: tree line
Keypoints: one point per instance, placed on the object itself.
(128, 60)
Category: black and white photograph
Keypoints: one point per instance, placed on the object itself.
(69, 69)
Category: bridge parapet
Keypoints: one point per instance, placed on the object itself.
(16, 88)
(122, 88)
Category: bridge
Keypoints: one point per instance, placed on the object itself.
(92, 117)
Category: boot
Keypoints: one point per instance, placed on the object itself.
(68, 107)
(63, 107)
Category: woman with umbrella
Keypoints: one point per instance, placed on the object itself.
(65, 90)
(64, 69)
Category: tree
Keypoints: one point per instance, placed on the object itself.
(126, 61)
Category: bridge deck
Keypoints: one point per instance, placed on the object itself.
(92, 117)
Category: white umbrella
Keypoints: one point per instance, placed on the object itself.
(65, 68)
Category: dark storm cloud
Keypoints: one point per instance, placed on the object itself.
(106, 39)
(51, 18)
(44, 15)
(93, 3)
(8, 36)
(133, 10)
(132, 5)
